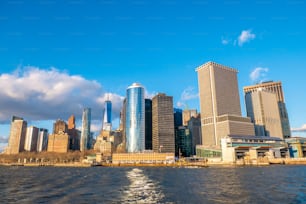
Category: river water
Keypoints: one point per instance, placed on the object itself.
(271, 184)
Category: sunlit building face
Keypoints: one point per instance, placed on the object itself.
(135, 118)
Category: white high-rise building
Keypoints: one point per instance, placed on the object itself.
(135, 118)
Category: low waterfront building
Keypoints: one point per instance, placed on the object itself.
(143, 158)
(208, 152)
(297, 147)
(238, 147)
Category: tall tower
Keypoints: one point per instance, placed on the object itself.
(220, 104)
(107, 119)
(262, 108)
(275, 87)
(17, 135)
(135, 118)
(148, 124)
(163, 124)
(85, 135)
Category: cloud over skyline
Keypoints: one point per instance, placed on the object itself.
(245, 36)
(258, 74)
(48, 94)
(188, 93)
(300, 129)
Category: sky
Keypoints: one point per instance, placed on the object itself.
(57, 57)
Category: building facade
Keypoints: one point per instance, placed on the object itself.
(30, 144)
(85, 135)
(187, 114)
(183, 144)
(135, 118)
(262, 108)
(163, 135)
(42, 142)
(58, 143)
(194, 126)
(148, 124)
(220, 104)
(17, 135)
(275, 87)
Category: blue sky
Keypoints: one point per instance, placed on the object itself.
(103, 46)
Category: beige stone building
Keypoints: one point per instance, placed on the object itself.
(58, 142)
(275, 87)
(187, 114)
(220, 104)
(17, 135)
(163, 136)
(262, 108)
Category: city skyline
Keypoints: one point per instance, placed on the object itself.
(84, 51)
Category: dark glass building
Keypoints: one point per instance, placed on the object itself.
(148, 124)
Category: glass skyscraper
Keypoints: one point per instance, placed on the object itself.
(107, 119)
(135, 118)
(85, 135)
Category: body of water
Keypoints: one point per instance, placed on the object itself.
(272, 184)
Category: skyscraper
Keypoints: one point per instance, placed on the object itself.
(107, 119)
(163, 124)
(148, 124)
(262, 108)
(220, 104)
(31, 139)
(85, 135)
(135, 118)
(275, 87)
(17, 135)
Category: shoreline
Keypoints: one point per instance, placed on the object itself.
(173, 165)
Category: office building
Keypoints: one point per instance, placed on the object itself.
(194, 126)
(42, 142)
(107, 119)
(262, 108)
(85, 132)
(163, 124)
(183, 138)
(74, 134)
(59, 126)
(187, 114)
(17, 135)
(58, 142)
(220, 104)
(275, 87)
(148, 124)
(30, 144)
(135, 118)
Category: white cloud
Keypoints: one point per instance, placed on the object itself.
(259, 74)
(3, 139)
(224, 42)
(48, 94)
(187, 95)
(300, 129)
(245, 36)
